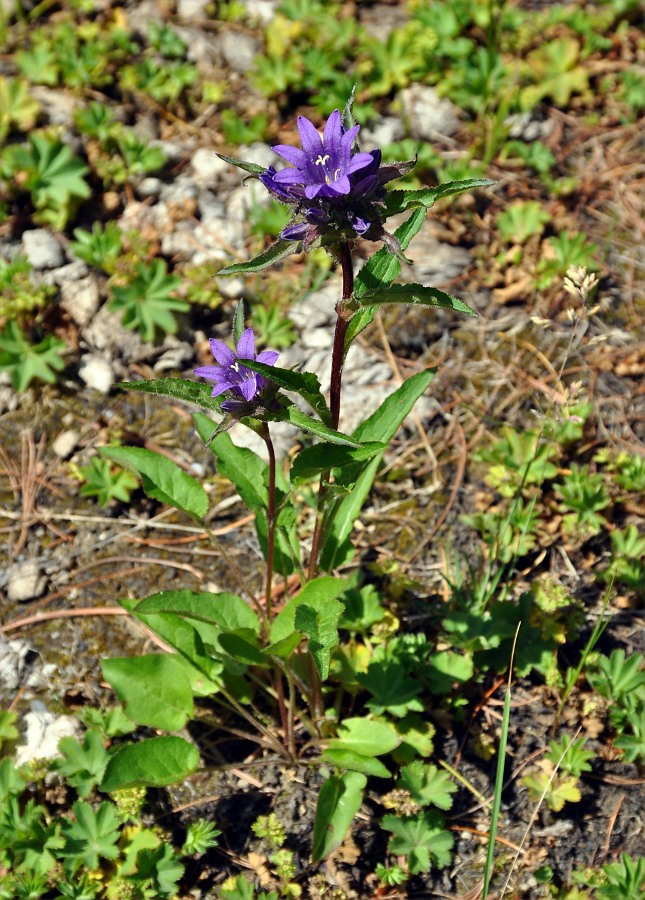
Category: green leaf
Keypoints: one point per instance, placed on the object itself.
(306, 384)
(157, 870)
(421, 838)
(25, 361)
(157, 762)
(315, 613)
(339, 800)
(92, 836)
(369, 737)
(250, 475)
(417, 294)
(313, 460)
(379, 271)
(105, 483)
(301, 420)
(162, 479)
(251, 167)
(391, 688)
(154, 689)
(382, 425)
(355, 762)
(83, 765)
(276, 252)
(445, 668)
(427, 784)
(227, 612)
(179, 389)
(399, 201)
(146, 302)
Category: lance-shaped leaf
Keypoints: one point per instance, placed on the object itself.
(382, 425)
(291, 413)
(178, 388)
(378, 272)
(399, 201)
(417, 294)
(338, 802)
(251, 167)
(320, 458)
(274, 254)
(306, 384)
(162, 479)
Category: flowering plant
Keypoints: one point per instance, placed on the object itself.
(232, 645)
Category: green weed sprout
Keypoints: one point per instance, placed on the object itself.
(25, 361)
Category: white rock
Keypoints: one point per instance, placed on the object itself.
(59, 106)
(244, 198)
(149, 187)
(65, 442)
(42, 249)
(44, 732)
(387, 130)
(25, 581)
(429, 114)
(207, 167)
(210, 206)
(13, 659)
(261, 11)
(239, 50)
(231, 287)
(81, 299)
(97, 372)
(192, 9)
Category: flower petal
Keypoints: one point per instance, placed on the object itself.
(348, 138)
(215, 373)
(221, 388)
(333, 132)
(359, 161)
(291, 176)
(246, 345)
(222, 353)
(293, 155)
(311, 141)
(268, 357)
(295, 232)
(340, 186)
(248, 388)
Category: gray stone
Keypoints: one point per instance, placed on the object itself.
(192, 9)
(81, 299)
(383, 131)
(42, 249)
(25, 581)
(140, 15)
(177, 355)
(58, 106)
(261, 12)
(97, 372)
(44, 731)
(210, 207)
(231, 287)
(429, 115)
(216, 239)
(207, 167)
(105, 332)
(73, 271)
(149, 187)
(65, 442)
(435, 263)
(241, 201)
(13, 662)
(239, 50)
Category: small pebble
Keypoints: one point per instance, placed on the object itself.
(65, 443)
(42, 249)
(97, 372)
(25, 581)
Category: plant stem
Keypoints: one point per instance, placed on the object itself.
(271, 518)
(337, 360)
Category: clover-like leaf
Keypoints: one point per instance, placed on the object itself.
(27, 361)
(92, 836)
(146, 302)
(421, 838)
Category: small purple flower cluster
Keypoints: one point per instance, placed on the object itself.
(246, 389)
(339, 192)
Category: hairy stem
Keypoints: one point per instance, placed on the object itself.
(271, 518)
(337, 360)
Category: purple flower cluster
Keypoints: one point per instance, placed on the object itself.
(246, 390)
(337, 191)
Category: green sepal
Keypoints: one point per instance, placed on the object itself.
(253, 168)
(276, 252)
